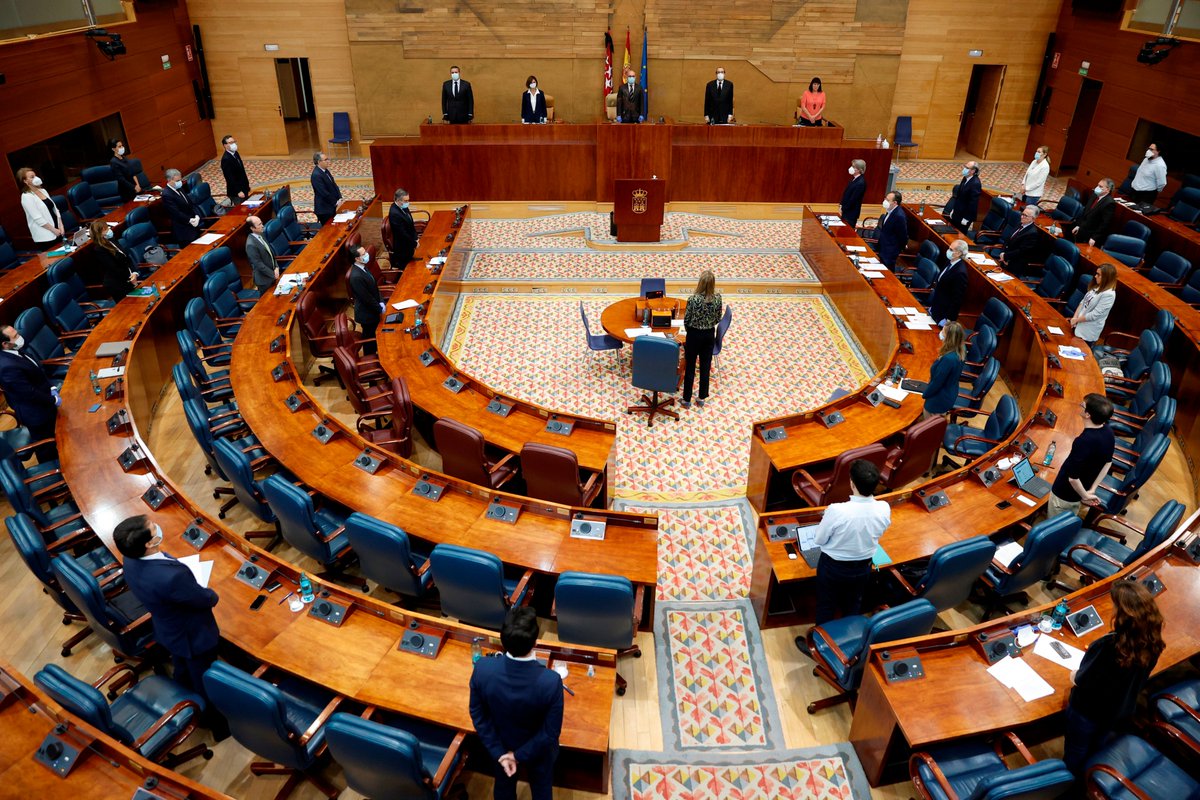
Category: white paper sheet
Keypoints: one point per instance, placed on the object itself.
(871, 274)
(910, 310)
(1043, 648)
(1073, 353)
(898, 312)
(676, 323)
(202, 570)
(855, 248)
(1000, 277)
(892, 393)
(1017, 675)
(834, 223)
(1055, 330)
(208, 238)
(345, 216)
(1006, 552)
(633, 333)
(405, 304)
(918, 326)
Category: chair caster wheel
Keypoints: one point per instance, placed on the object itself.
(620, 691)
(111, 696)
(66, 622)
(65, 652)
(365, 589)
(220, 515)
(812, 708)
(207, 756)
(638, 654)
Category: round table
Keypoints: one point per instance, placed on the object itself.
(627, 313)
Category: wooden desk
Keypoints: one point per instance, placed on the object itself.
(106, 769)
(1165, 233)
(627, 314)
(957, 698)
(360, 659)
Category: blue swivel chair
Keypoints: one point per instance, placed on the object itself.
(656, 370)
(929, 250)
(401, 759)
(1116, 492)
(341, 130)
(192, 180)
(1036, 561)
(198, 424)
(657, 285)
(1068, 209)
(214, 386)
(976, 770)
(119, 620)
(63, 271)
(921, 279)
(222, 303)
(139, 238)
(387, 557)
(1170, 270)
(981, 348)
(1000, 214)
(980, 386)
(1130, 769)
(904, 137)
(1095, 554)
(282, 197)
(202, 199)
(1177, 713)
(215, 412)
(85, 205)
(842, 647)
(296, 231)
(1135, 367)
(67, 315)
(205, 333)
(599, 611)
(283, 724)
(1164, 326)
(1190, 293)
(1082, 284)
(1161, 421)
(319, 534)
(43, 479)
(1127, 418)
(719, 341)
(1057, 276)
(103, 185)
(137, 215)
(1186, 208)
(1136, 230)
(281, 246)
(220, 261)
(43, 343)
(967, 442)
(1128, 250)
(598, 343)
(56, 518)
(9, 256)
(152, 716)
(473, 586)
(237, 462)
(951, 571)
(995, 314)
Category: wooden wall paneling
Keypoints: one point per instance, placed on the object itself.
(632, 151)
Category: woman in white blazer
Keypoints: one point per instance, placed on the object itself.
(45, 223)
(1034, 184)
(1093, 310)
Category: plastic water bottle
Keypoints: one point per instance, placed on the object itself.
(886, 144)
(646, 316)
(95, 382)
(476, 649)
(306, 589)
(879, 140)
(1059, 616)
(1049, 459)
(921, 213)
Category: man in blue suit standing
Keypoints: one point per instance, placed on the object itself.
(326, 194)
(893, 230)
(517, 708)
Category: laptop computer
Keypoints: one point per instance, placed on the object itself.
(1027, 481)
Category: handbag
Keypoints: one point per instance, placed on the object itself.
(154, 254)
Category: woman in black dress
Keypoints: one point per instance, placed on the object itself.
(116, 268)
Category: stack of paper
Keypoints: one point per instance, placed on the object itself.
(143, 198)
(208, 238)
(1057, 331)
(855, 248)
(345, 216)
(633, 333)
(1020, 677)
(870, 274)
(437, 261)
(405, 304)
(1044, 647)
(1006, 552)
(201, 569)
(1000, 277)
(892, 392)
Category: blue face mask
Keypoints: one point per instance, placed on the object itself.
(629, 81)
(1098, 191)
(404, 204)
(177, 184)
(1037, 156)
(949, 254)
(966, 172)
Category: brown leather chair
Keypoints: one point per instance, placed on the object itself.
(318, 330)
(552, 473)
(348, 337)
(397, 435)
(832, 485)
(362, 385)
(916, 453)
(464, 455)
(549, 108)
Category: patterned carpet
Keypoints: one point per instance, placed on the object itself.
(681, 265)
(576, 229)
(930, 181)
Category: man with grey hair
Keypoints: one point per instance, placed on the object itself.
(326, 194)
(404, 230)
(951, 285)
(963, 209)
(1092, 225)
(851, 206)
(264, 270)
(1023, 244)
(185, 218)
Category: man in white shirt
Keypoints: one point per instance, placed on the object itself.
(1151, 177)
(848, 535)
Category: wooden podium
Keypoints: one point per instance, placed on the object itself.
(638, 209)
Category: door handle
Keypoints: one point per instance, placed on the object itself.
(280, 110)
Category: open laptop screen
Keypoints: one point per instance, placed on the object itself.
(1022, 471)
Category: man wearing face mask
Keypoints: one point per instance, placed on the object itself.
(368, 305)
(893, 230)
(851, 206)
(237, 185)
(404, 230)
(718, 100)
(951, 285)
(963, 208)
(29, 392)
(185, 218)
(180, 608)
(1151, 177)
(458, 104)
(630, 100)
(1092, 225)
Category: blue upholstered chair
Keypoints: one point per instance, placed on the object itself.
(55, 516)
(119, 620)
(237, 463)
(1161, 421)
(980, 386)
(1036, 561)
(1136, 230)
(195, 413)
(280, 723)
(295, 230)
(219, 261)
(999, 215)
(137, 215)
(656, 370)
(43, 479)
(1068, 209)
(965, 441)
(1170, 270)
(921, 279)
(1057, 276)
(1128, 250)
(600, 342)
(1164, 326)
(1095, 554)
(403, 758)
(63, 271)
(1186, 206)
(213, 349)
(652, 285)
(341, 130)
(976, 770)
(282, 198)
(214, 386)
(719, 341)
(103, 183)
(1130, 416)
(1135, 367)
(1177, 713)
(981, 348)
(85, 205)
(904, 136)
(72, 322)
(1116, 491)
(599, 611)
(1131, 769)
(387, 557)
(319, 534)
(222, 303)
(946, 579)
(996, 314)
(10, 257)
(203, 201)
(473, 586)
(43, 343)
(152, 716)
(842, 647)
(137, 239)
(1082, 284)
(281, 246)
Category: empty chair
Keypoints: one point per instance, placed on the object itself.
(473, 586)
(980, 386)
(281, 723)
(318, 332)
(237, 466)
(70, 222)
(1082, 284)
(119, 620)
(152, 716)
(842, 647)
(72, 322)
(1066, 250)
(63, 271)
(341, 130)
(722, 329)
(552, 473)
(202, 199)
(214, 386)
(599, 611)
(1131, 416)
(922, 279)
(1186, 208)
(1177, 709)
(946, 579)
(103, 183)
(1057, 276)
(85, 205)
(43, 479)
(317, 533)
(916, 453)
(9, 255)
(281, 246)
(1137, 230)
(1170, 270)
(191, 181)
(137, 215)
(928, 249)
(904, 137)
(401, 759)
(653, 287)
(198, 423)
(1126, 249)
(1164, 326)
(977, 770)
(1068, 209)
(295, 230)
(1036, 561)
(820, 487)
(43, 343)
(656, 370)
(1161, 421)
(223, 304)
(1135, 366)
(1116, 492)
(464, 455)
(980, 349)
(994, 221)
(282, 197)
(56, 518)
(219, 261)
(599, 342)
(996, 314)
(387, 556)
(206, 334)
(369, 399)
(1128, 768)
(1095, 554)
(968, 442)
(992, 240)
(396, 437)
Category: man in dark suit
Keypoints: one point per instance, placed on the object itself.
(630, 99)
(951, 285)
(368, 305)
(264, 270)
(718, 100)
(517, 708)
(1024, 243)
(1092, 225)
(185, 217)
(237, 185)
(852, 196)
(404, 230)
(893, 230)
(180, 608)
(458, 103)
(965, 203)
(326, 194)
(29, 392)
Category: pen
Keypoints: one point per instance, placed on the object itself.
(568, 690)
(285, 597)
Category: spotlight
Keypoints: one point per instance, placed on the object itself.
(110, 44)
(1155, 51)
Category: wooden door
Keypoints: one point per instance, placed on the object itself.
(945, 110)
(264, 112)
(1057, 122)
(991, 82)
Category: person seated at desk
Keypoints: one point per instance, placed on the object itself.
(533, 102)
(893, 230)
(1093, 224)
(117, 271)
(718, 100)
(630, 100)
(185, 218)
(127, 180)
(946, 372)
(812, 105)
(1150, 178)
(458, 102)
(41, 215)
(1024, 243)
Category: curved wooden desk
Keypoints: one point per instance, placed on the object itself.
(360, 659)
(624, 314)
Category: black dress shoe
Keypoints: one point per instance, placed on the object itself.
(802, 645)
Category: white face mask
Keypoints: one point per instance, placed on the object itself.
(120, 151)
(850, 170)
(532, 86)
(886, 205)
(1098, 191)
(233, 147)
(36, 181)
(453, 76)
(1150, 154)
(720, 76)
(18, 342)
(363, 259)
